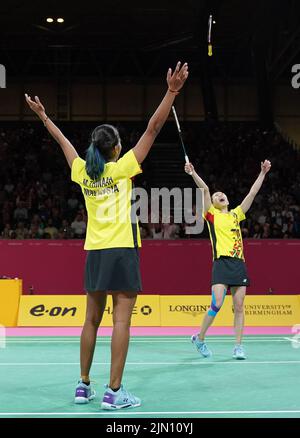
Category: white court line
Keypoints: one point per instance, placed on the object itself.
(152, 413)
(232, 362)
(66, 338)
(137, 341)
(295, 341)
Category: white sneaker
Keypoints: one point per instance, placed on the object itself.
(239, 352)
(201, 346)
(120, 399)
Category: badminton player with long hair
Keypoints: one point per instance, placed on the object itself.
(229, 268)
(112, 240)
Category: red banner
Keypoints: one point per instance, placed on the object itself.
(168, 267)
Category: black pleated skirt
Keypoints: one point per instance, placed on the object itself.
(230, 271)
(113, 269)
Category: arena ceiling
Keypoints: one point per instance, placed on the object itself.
(137, 38)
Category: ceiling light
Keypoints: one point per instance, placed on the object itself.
(50, 20)
(60, 20)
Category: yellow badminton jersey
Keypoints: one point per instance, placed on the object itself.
(108, 203)
(225, 232)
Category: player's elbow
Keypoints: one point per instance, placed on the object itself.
(153, 128)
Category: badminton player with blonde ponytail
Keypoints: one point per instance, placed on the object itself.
(112, 243)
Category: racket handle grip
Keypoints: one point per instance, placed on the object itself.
(188, 162)
(210, 50)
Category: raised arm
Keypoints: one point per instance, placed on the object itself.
(175, 83)
(247, 202)
(189, 168)
(67, 148)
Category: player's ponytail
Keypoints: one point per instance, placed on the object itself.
(95, 162)
(101, 150)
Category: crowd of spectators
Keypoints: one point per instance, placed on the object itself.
(39, 201)
(229, 159)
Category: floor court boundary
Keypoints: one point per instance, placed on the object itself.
(153, 413)
(146, 341)
(140, 365)
(146, 331)
(141, 338)
(195, 362)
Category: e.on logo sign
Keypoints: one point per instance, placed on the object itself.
(2, 76)
(40, 310)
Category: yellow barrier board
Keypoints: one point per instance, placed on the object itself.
(280, 310)
(10, 292)
(260, 310)
(69, 310)
(51, 310)
(187, 310)
(165, 310)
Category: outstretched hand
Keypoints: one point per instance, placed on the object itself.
(35, 105)
(265, 166)
(177, 79)
(189, 168)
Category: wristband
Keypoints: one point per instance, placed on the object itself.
(173, 91)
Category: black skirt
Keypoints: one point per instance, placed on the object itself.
(113, 269)
(230, 271)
